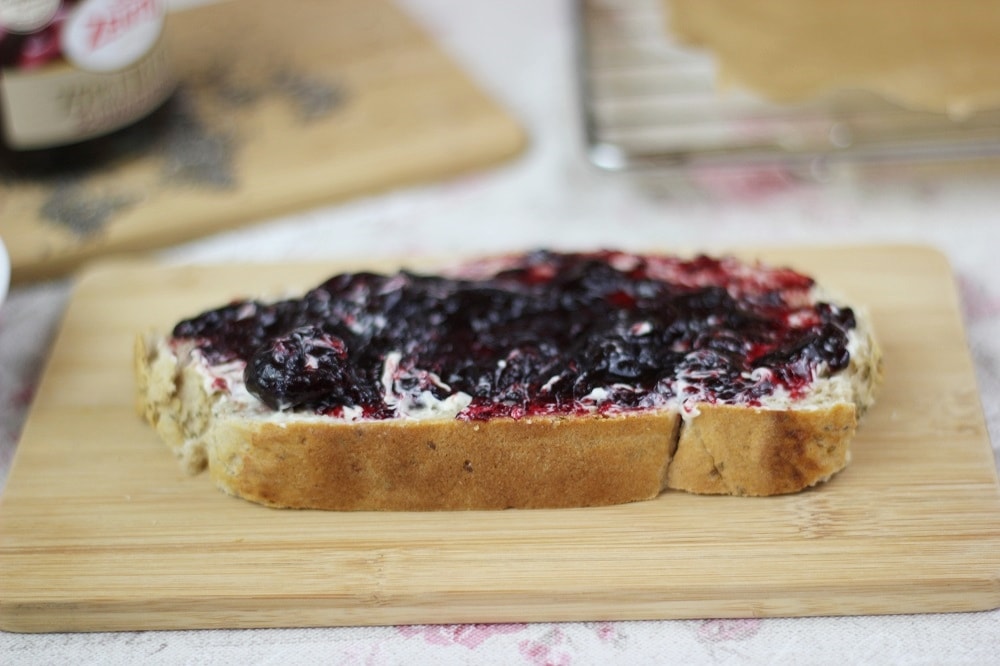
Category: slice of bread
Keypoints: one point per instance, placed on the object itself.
(435, 447)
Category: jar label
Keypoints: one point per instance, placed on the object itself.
(107, 35)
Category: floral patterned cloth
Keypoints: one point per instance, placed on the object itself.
(521, 52)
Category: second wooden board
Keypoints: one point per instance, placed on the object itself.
(277, 111)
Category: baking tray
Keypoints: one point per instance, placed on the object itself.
(648, 102)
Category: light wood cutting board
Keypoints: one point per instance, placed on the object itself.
(99, 530)
(282, 106)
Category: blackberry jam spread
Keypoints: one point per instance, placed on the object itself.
(546, 334)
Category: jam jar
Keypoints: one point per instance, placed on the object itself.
(77, 77)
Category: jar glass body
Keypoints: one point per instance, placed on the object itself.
(77, 78)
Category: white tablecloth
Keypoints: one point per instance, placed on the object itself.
(520, 51)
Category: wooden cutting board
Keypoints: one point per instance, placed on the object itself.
(99, 530)
(282, 106)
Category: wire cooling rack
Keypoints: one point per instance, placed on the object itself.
(648, 101)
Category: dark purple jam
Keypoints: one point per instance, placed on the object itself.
(549, 334)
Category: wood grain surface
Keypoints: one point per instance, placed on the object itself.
(100, 530)
(277, 111)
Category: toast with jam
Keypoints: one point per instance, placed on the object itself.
(543, 379)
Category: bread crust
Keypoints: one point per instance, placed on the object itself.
(497, 464)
